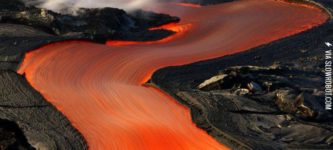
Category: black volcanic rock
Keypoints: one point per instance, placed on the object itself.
(151, 19)
(25, 28)
(11, 137)
(294, 91)
(11, 5)
(94, 22)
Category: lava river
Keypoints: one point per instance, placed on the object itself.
(99, 87)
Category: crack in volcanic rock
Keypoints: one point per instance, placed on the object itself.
(99, 88)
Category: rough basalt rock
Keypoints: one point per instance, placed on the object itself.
(11, 137)
(294, 91)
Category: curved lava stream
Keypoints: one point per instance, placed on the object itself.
(99, 88)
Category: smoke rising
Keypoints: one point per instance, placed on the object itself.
(73, 5)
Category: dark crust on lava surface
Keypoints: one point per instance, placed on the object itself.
(261, 120)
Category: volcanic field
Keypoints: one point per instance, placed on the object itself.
(246, 75)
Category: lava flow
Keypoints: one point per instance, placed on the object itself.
(99, 87)
(188, 5)
(180, 29)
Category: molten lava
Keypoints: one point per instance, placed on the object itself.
(188, 5)
(99, 88)
(179, 30)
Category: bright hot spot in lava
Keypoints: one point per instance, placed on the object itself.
(179, 29)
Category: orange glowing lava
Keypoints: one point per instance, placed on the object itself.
(175, 27)
(179, 29)
(188, 5)
(99, 88)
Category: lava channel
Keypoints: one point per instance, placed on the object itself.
(99, 87)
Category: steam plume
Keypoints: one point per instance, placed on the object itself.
(72, 5)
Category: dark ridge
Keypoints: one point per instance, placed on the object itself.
(37, 27)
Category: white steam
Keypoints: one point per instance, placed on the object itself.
(73, 5)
